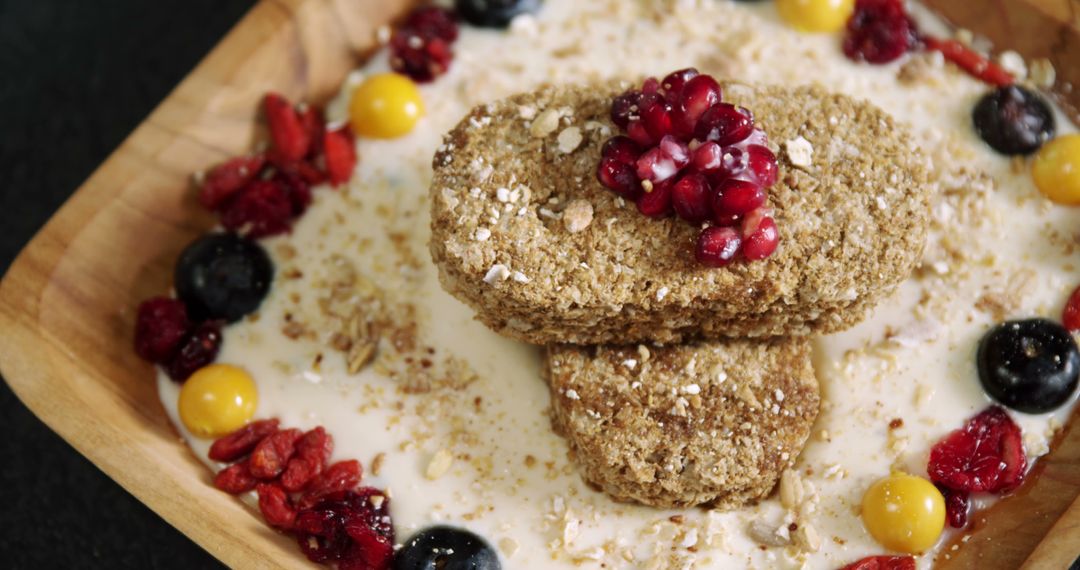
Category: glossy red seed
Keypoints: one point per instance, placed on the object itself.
(340, 154)
(717, 246)
(272, 454)
(690, 198)
(1070, 317)
(227, 178)
(725, 124)
(275, 506)
(619, 177)
(883, 563)
(235, 479)
(760, 235)
(699, 94)
(676, 150)
(651, 86)
(878, 31)
(242, 441)
(657, 120)
(657, 202)
(986, 455)
(737, 197)
(263, 208)
(706, 157)
(286, 130)
(312, 452)
(622, 149)
(199, 348)
(160, 326)
(656, 166)
(761, 163)
(674, 81)
(624, 108)
(638, 133)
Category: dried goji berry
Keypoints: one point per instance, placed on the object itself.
(273, 453)
(882, 563)
(275, 506)
(312, 452)
(262, 208)
(314, 124)
(240, 442)
(341, 476)
(340, 154)
(286, 129)
(235, 479)
(228, 178)
(298, 189)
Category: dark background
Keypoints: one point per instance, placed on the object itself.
(75, 78)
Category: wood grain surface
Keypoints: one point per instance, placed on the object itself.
(67, 303)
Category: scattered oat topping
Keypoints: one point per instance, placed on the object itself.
(577, 216)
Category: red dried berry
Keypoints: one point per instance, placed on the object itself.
(420, 57)
(263, 208)
(986, 455)
(235, 479)
(340, 526)
(690, 197)
(242, 441)
(296, 187)
(275, 506)
(957, 504)
(340, 154)
(717, 246)
(883, 563)
(759, 234)
(369, 550)
(434, 22)
(341, 476)
(160, 326)
(199, 348)
(312, 452)
(1070, 316)
(290, 138)
(228, 178)
(314, 124)
(272, 454)
(973, 63)
(879, 31)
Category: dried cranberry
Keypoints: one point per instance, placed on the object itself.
(421, 57)
(199, 348)
(341, 476)
(314, 124)
(272, 454)
(228, 178)
(879, 31)
(353, 527)
(433, 21)
(242, 441)
(987, 454)
(298, 190)
(369, 550)
(883, 563)
(275, 506)
(160, 327)
(287, 131)
(263, 208)
(235, 479)
(312, 452)
(717, 246)
(957, 504)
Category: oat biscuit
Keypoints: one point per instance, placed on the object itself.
(711, 423)
(852, 217)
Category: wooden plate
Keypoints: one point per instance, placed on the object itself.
(67, 303)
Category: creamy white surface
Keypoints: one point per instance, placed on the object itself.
(925, 376)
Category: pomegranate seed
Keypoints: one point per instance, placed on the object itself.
(725, 123)
(1070, 317)
(228, 178)
(690, 198)
(160, 327)
(987, 454)
(638, 133)
(657, 120)
(286, 130)
(879, 31)
(624, 108)
(699, 94)
(673, 83)
(707, 157)
(622, 149)
(676, 150)
(619, 177)
(733, 163)
(760, 236)
(656, 203)
(717, 246)
(737, 197)
(656, 166)
(762, 165)
(651, 86)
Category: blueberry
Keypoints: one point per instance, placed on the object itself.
(1013, 120)
(222, 276)
(494, 13)
(1030, 366)
(446, 548)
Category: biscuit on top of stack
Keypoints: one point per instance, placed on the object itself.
(524, 234)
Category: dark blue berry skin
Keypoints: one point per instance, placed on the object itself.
(1031, 366)
(222, 277)
(494, 13)
(1013, 120)
(446, 548)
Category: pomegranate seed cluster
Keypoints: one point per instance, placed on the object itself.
(687, 151)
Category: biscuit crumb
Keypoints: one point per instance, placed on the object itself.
(498, 272)
(438, 466)
(569, 140)
(377, 463)
(545, 123)
(577, 216)
(800, 152)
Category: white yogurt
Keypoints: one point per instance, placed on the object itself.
(996, 245)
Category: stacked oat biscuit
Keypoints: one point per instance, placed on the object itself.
(523, 233)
